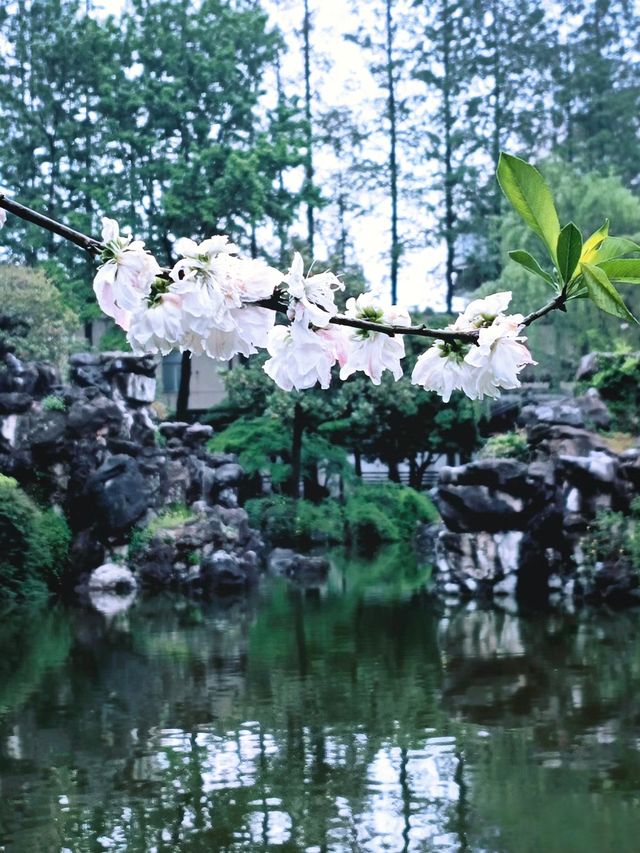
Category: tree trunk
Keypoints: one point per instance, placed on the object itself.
(394, 473)
(357, 463)
(449, 178)
(184, 389)
(296, 451)
(392, 114)
(308, 167)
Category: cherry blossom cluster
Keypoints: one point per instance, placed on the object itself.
(479, 369)
(210, 302)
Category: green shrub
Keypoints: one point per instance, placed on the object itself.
(114, 340)
(286, 522)
(509, 445)
(370, 516)
(392, 510)
(618, 381)
(35, 545)
(368, 524)
(614, 538)
(52, 403)
(174, 515)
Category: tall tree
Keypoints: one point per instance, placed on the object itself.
(308, 165)
(56, 67)
(445, 66)
(596, 85)
(380, 39)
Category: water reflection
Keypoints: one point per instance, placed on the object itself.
(337, 720)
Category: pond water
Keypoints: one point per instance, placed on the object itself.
(361, 716)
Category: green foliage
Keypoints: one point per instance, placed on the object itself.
(296, 523)
(34, 642)
(530, 196)
(53, 403)
(174, 515)
(264, 446)
(509, 445)
(35, 546)
(370, 516)
(614, 539)
(559, 339)
(114, 340)
(387, 512)
(577, 268)
(34, 320)
(618, 381)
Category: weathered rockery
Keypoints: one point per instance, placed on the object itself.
(518, 529)
(93, 448)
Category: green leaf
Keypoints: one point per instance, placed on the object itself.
(531, 265)
(624, 270)
(603, 293)
(569, 251)
(593, 243)
(615, 247)
(527, 191)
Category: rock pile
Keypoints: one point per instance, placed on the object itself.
(518, 529)
(92, 448)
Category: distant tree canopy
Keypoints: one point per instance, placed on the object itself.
(35, 321)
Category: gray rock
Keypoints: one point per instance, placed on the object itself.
(222, 570)
(553, 411)
(138, 388)
(117, 495)
(588, 367)
(45, 429)
(112, 576)
(197, 434)
(283, 562)
(228, 474)
(91, 416)
(594, 410)
(14, 402)
(172, 429)
(280, 561)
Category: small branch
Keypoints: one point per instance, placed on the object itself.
(94, 247)
(556, 304)
(276, 302)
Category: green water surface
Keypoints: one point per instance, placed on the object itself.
(359, 716)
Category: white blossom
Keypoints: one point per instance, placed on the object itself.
(251, 331)
(3, 216)
(124, 281)
(315, 294)
(301, 357)
(482, 312)
(498, 358)
(374, 352)
(157, 327)
(443, 370)
(213, 282)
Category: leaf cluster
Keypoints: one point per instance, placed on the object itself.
(581, 268)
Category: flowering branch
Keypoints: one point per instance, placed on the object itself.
(217, 303)
(274, 303)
